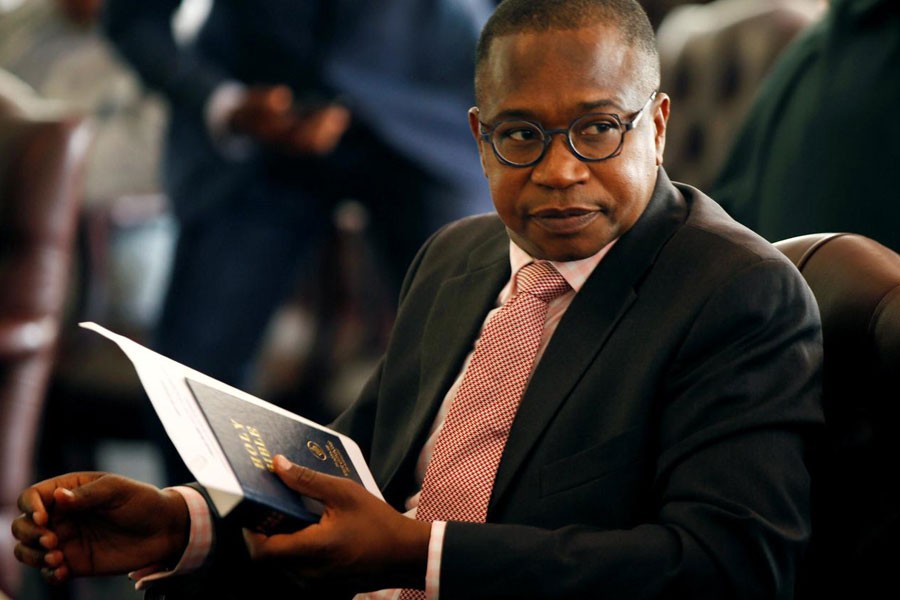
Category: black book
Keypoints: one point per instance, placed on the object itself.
(228, 439)
(250, 436)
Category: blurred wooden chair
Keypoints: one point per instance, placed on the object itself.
(856, 489)
(41, 161)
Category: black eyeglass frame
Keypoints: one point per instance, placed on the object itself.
(488, 132)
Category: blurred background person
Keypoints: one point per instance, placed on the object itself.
(819, 145)
(714, 57)
(280, 110)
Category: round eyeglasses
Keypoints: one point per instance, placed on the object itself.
(592, 137)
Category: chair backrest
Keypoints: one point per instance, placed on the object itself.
(40, 165)
(856, 496)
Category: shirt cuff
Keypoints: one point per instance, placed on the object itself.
(223, 101)
(435, 552)
(200, 541)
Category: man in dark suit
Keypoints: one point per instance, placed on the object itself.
(659, 449)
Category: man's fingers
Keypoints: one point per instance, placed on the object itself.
(278, 98)
(302, 545)
(321, 131)
(261, 125)
(33, 557)
(27, 532)
(30, 503)
(38, 558)
(264, 114)
(54, 558)
(57, 575)
(39, 499)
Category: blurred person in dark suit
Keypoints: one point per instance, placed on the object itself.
(714, 57)
(279, 110)
(819, 145)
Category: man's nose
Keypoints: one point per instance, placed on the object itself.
(559, 168)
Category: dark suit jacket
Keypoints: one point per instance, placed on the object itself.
(660, 450)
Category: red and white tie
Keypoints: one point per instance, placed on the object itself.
(460, 477)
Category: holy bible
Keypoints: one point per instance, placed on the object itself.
(228, 438)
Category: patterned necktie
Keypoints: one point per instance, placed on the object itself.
(460, 477)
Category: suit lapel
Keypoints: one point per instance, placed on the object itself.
(605, 297)
(453, 324)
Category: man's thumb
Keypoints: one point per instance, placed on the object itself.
(307, 482)
(65, 498)
(83, 497)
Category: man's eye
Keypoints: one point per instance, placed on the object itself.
(520, 134)
(598, 128)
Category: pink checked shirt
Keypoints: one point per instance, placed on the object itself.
(200, 540)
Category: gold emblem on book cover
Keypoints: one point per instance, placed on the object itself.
(316, 450)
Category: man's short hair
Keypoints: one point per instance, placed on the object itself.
(520, 16)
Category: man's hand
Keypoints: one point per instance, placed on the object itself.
(97, 524)
(269, 116)
(360, 543)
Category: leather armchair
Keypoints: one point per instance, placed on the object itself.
(856, 489)
(40, 166)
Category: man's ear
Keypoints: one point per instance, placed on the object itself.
(475, 127)
(660, 121)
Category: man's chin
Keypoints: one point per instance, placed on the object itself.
(562, 252)
(544, 245)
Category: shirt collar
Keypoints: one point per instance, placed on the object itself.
(575, 272)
